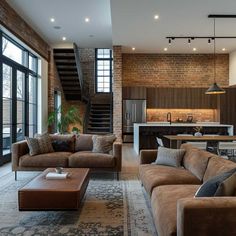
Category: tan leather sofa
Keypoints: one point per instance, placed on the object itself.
(80, 155)
(175, 210)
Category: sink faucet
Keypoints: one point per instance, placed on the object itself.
(168, 117)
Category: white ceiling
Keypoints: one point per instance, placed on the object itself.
(130, 23)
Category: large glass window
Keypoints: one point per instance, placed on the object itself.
(103, 70)
(18, 86)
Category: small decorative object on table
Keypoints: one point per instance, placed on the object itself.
(59, 170)
(198, 131)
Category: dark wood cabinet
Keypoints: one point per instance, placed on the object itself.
(134, 93)
(227, 107)
(192, 98)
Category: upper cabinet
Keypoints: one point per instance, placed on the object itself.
(190, 98)
(134, 93)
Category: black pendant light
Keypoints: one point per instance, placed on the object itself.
(214, 88)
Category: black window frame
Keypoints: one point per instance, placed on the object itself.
(110, 59)
(27, 72)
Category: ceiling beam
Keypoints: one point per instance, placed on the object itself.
(221, 16)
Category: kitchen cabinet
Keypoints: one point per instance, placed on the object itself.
(134, 93)
(185, 98)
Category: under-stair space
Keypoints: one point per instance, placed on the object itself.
(99, 119)
(65, 60)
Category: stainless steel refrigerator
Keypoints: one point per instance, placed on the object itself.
(134, 111)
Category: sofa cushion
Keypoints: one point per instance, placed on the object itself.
(217, 185)
(196, 160)
(103, 143)
(164, 206)
(89, 159)
(61, 145)
(45, 143)
(156, 175)
(53, 159)
(216, 166)
(70, 138)
(169, 157)
(84, 142)
(33, 145)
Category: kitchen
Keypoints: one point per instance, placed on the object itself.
(189, 108)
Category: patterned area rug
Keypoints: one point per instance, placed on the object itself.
(110, 207)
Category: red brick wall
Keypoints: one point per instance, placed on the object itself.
(174, 70)
(15, 24)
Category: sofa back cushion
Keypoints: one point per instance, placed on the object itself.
(196, 160)
(216, 166)
(68, 138)
(84, 142)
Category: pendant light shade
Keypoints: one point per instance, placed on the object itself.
(215, 89)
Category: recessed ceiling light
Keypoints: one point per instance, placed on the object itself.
(165, 49)
(133, 48)
(86, 19)
(223, 49)
(194, 49)
(52, 19)
(64, 38)
(156, 17)
(57, 27)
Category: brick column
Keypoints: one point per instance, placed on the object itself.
(117, 92)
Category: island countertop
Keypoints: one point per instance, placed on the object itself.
(137, 126)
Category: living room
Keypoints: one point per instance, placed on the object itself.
(117, 117)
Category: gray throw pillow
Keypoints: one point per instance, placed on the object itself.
(220, 185)
(33, 145)
(103, 144)
(169, 157)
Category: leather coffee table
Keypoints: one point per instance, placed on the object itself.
(43, 194)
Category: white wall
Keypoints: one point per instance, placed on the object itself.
(232, 68)
(43, 98)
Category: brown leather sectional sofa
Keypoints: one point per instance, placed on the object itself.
(175, 210)
(79, 156)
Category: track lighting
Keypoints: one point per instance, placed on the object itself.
(169, 41)
(209, 40)
(189, 41)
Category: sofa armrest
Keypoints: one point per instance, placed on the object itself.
(148, 156)
(117, 153)
(18, 149)
(206, 216)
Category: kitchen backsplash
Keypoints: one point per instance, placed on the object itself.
(200, 115)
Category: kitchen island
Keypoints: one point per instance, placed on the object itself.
(145, 133)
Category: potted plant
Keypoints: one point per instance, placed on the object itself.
(198, 131)
(62, 118)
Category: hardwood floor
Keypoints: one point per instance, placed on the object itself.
(130, 161)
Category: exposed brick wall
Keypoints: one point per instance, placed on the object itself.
(174, 70)
(117, 92)
(14, 23)
(87, 60)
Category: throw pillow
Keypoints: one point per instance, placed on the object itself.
(103, 144)
(33, 146)
(70, 138)
(169, 157)
(45, 143)
(61, 146)
(220, 185)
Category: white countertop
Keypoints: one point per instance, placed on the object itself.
(206, 124)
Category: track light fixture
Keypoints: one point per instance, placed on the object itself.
(169, 41)
(189, 41)
(209, 41)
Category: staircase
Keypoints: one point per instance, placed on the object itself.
(65, 60)
(100, 119)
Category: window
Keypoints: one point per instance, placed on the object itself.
(103, 68)
(18, 86)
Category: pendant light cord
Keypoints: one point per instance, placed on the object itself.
(214, 50)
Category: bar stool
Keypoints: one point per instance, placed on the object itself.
(228, 147)
(200, 145)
